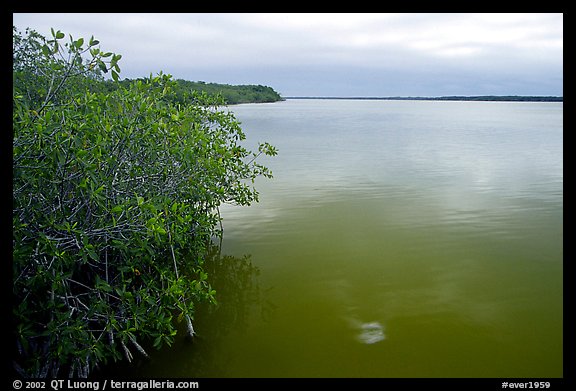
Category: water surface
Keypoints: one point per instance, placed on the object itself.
(397, 239)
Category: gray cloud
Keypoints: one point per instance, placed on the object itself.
(335, 54)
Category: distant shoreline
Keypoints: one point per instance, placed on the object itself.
(484, 98)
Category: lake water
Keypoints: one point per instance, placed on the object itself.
(397, 239)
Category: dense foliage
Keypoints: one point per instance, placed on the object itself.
(232, 94)
(115, 200)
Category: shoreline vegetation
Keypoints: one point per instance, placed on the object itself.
(231, 94)
(484, 98)
(116, 193)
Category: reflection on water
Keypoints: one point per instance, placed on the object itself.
(240, 299)
(370, 333)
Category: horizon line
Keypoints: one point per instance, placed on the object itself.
(556, 98)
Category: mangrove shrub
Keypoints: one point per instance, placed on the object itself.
(115, 200)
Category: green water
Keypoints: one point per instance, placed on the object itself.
(398, 239)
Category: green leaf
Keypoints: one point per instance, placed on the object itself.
(102, 66)
(59, 34)
(61, 157)
(90, 249)
(115, 75)
(46, 50)
(117, 209)
(151, 222)
(158, 342)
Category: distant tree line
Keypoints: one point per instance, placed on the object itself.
(230, 94)
(487, 98)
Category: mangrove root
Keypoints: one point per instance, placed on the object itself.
(138, 347)
(191, 331)
(127, 353)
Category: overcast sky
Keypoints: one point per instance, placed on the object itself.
(333, 54)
